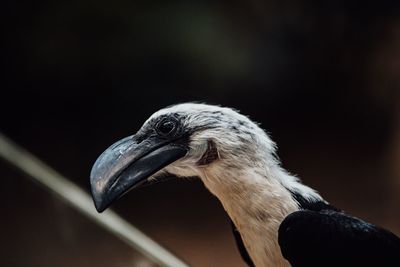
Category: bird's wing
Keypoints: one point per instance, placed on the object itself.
(241, 247)
(331, 238)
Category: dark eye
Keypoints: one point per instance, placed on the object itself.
(166, 127)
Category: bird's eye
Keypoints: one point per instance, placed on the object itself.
(166, 127)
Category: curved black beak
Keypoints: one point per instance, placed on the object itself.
(127, 164)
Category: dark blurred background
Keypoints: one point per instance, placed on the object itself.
(322, 77)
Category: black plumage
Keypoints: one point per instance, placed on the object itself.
(240, 245)
(319, 234)
(331, 238)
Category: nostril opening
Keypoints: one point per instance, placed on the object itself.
(139, 138)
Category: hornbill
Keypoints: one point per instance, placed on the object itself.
(277, 221)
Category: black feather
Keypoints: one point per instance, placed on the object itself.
(321, 235)
(241, 247)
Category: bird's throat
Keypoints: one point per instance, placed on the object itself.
(257, 205)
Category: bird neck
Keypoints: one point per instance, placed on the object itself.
(257, 201)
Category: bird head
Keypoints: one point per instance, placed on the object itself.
(183, 140)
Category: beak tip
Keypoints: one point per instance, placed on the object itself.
(99, 209)
(100, 205)
(100, 202)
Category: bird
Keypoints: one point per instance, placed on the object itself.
(277, 221)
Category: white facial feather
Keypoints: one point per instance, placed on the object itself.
(247, 177)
